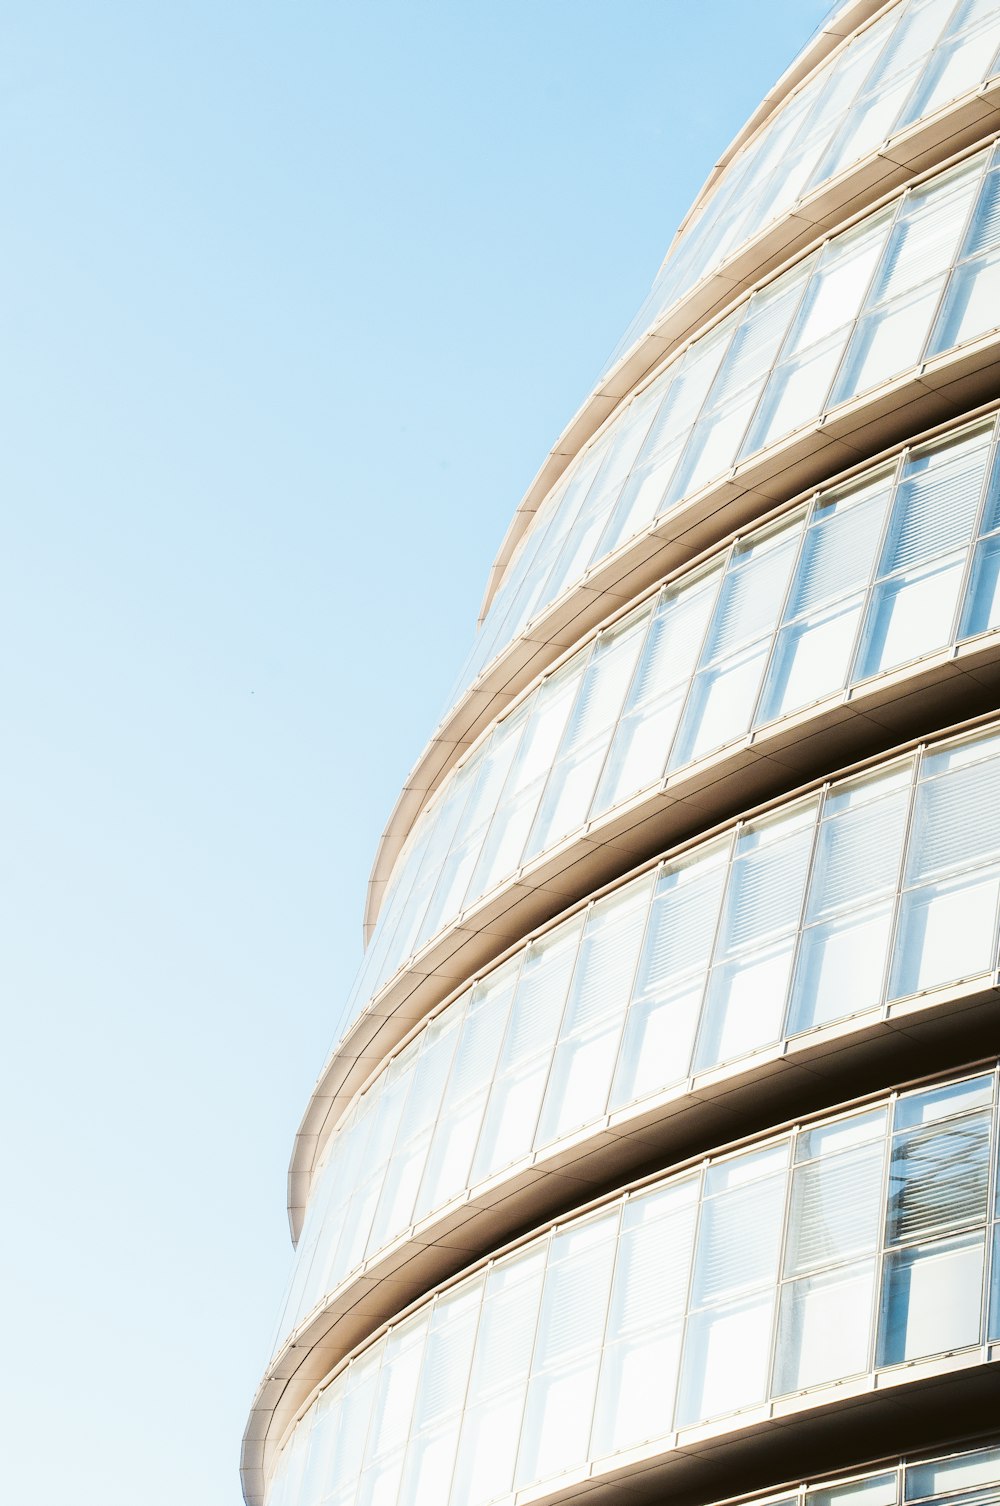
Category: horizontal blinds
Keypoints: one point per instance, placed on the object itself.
(574, 1303)
(603, 688)
(504, 1342)
(765, 892)
(924, 242)
(836, 1209)
(757, 339)
(651, 1280)
(541, 994)
(936, 504)
(957, 821)
(938, 1178)
(475, 1060)
(446, 1360)
(751, 596)
(838, 553)
(671, 647)
(919, 29)
(681, 927)
(858, 855)
(608, 955)
(984, 232)
(738, 1240)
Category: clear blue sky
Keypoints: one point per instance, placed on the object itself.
(296, 297)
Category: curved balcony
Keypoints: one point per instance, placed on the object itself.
(810, 638)
(884, 327)
(838, 1260)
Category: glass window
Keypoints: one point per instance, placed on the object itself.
(943, 1476)
(515, 811)
(584, 1059)
(576, 769)
(456, 1131)
(970, 307)
(938, 1178)
(843, 951)
(947, 923)
(516, 1093)
(904, 294)
(746, 996)
(676, 950)
(796, 389)
(646, 730)
(932, 1298)
(722, 698)
(813, 650)
(824, 1327)
(934, 513)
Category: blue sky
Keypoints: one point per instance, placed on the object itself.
(297, 296)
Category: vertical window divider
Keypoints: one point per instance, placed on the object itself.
(881, 1246)
(797, 935)
(631, 988)
(602, 1342)
(861, 631)
(686, 1314)
(779, 1282)
(653, 604)
(974, 537)
(519, 1435)
(725, 564)
(927, 349)
(587, 911)
(720, 917)
(463, 1411)
(807, 512)
(897, 899)
(822, 796)
(990, 1238)
(892, 220)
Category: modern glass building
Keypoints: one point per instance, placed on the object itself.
(658, 1156)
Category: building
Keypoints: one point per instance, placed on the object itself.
(658, 1154)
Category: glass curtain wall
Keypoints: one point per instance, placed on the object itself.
(855, 1243)
(864, 579)
(908, 65)
(916, 279)
(877, 888)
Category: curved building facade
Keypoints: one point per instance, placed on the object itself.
(658, 1155)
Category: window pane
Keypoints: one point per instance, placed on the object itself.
(910, 615)
(963, 1473)
(836, 1208)
(938, 1178)
(932, 1299)
(946, 933)
(638, 1385)
(971, 305)
(982, 612)
(824, 1328)
(726, 1354)
(841, 968)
